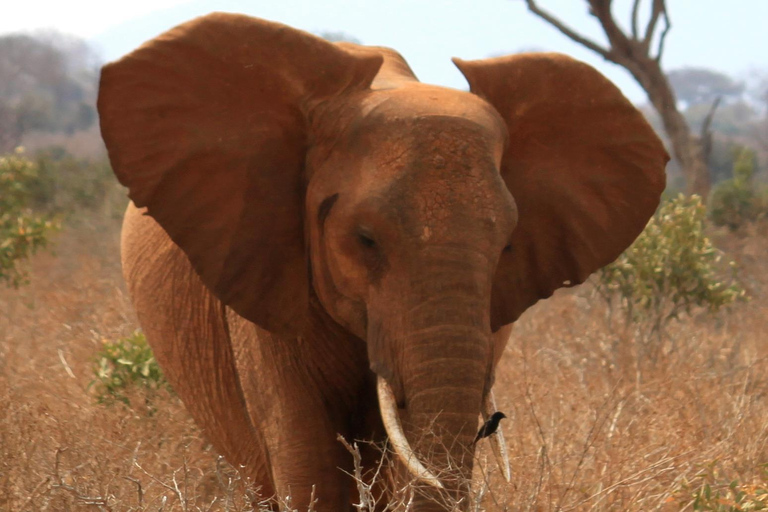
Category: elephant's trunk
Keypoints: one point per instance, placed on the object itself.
(402, 448)
(444, 393)
(444, 361)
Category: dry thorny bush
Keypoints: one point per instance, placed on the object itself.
(582, 433)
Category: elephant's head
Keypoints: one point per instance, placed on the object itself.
(293, 171)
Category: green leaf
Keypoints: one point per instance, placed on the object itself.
(671, 268)
(122, 363)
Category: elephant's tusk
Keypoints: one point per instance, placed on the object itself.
(388, 407)
(498, 443)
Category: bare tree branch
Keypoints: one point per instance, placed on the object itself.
(708, 120)
(635, 9)
(559, 25)
(622, 47)
(667, 26)
(657, 9)
(632, 50)
(706, 133)
(599, 8)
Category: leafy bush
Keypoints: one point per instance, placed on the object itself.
(671, 268)
(710, 490)
(738, 200)
(125, 363)
(65, 183)
(22, 232)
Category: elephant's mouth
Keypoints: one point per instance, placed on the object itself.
(391, 419)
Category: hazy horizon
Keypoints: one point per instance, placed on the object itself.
(706, 34)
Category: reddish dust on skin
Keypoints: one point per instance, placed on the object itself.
(454, 142)
(458, 176)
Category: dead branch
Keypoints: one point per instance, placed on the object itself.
(367, 501)
(635, 9)
(562, 27)
(97, 501)
(706, 132)
(139, 490)
(663, 37)
(32, 493)
(175, 490)
(708, 119)
(626, 49)
(656, 11)
(623, 48)
(594, 430)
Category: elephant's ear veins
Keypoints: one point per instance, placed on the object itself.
(206, 126)
(584, 166)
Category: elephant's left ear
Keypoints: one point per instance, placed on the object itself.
(208, 126)
(585, 168)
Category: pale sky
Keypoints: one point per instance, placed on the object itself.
(730, 37)
(84, 18)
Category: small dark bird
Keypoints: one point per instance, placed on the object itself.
(490, 426)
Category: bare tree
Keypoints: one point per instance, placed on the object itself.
(640, 53)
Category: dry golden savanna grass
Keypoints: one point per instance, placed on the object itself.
(586, 432)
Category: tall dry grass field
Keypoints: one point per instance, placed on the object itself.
(590, 432)
(59, 449)
(587, 431)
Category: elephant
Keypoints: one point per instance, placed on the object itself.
(318, 244)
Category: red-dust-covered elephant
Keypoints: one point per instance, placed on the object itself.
(319, 244)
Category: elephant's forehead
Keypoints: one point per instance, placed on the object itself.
(428, 124)
(419, 100)
(443, 174)
(441, 199)
(426, 157)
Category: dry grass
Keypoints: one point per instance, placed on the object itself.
(586, 435)
(59, 450)
(583, 433)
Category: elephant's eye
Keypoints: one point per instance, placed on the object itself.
(370, 253)
(508, 248)
(366, 240)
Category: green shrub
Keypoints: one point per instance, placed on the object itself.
(125, 363)
(22, 232)
(738, 200)
(65, 183)
(671, 268)
(711, 490)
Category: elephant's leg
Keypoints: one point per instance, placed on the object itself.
(185, 326)
(302, 393)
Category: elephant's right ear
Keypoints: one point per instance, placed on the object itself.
(585, 168)
(207, 127)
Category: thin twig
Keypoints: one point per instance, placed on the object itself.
(596, 427)
(711, 114)
(572, 34)
(542, 462)
(635, 8)
(32, 493)
(67, 368)
(139, 490)
(657, 9)
(101, 502)
(631, 479)
(706, 133)
(663, 37)
(367, 502)
(312, 501)
(157, 480)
